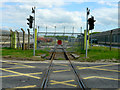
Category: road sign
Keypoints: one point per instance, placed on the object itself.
(59, 42)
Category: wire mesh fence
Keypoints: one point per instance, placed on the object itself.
(70, 41)
(5, 40)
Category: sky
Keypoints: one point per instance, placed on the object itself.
(59, 13)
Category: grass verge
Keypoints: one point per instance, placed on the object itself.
(99, 53)
(23, 54)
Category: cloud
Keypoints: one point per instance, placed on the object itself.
(16, 15)
(109, 15)
(106, 18)
(52, 14)
(37, 3)
(59, 18)
(108, 3)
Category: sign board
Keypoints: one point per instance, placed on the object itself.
(59, 42)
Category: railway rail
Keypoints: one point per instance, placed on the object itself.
(45, 78)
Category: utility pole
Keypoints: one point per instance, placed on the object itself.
(88, 12)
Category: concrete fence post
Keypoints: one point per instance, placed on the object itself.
(23, 44)
(11, 39)
(14, 40)
(110, 39)
(85, 39)
(18, 40)
(28, 38)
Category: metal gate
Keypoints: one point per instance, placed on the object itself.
(70, 41)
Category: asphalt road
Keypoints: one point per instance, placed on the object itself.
(28, 74)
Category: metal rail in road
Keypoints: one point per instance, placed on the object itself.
(80, 82)
(47, 73)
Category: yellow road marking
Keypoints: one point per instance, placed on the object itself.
(61, 64)
(36, 73)
(17, 67)
(105, 69)
(97, 66)
(20, 73)
(63, 82)
(34, 62)
(31, 86)
(61, 70)
(100, 78)
(105, 65)
(20, 64)
(94, 67)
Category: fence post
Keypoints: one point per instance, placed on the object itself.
(85, 40)
(82, 43)
(23, 44)
(110, 39)
(18, 39)
(11, 39)
(14, 40)
(28, 38)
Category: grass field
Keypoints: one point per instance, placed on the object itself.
(22, 53)
(99, 53)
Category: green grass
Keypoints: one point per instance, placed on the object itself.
(60, 59)
(22, 53)
(98, 53)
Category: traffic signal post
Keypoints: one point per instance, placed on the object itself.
(88, 12)
(33, 11)
(89, 21)
(91, 26)
(30, 21)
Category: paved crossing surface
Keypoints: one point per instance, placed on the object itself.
(28, 74)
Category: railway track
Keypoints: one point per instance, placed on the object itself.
(45, 78)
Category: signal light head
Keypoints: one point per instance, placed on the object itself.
(91, 23)
(30, 19)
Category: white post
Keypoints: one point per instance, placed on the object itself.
(86, 31)
(91, 39)
(34, 33)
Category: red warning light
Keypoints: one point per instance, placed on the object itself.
(59, 42)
